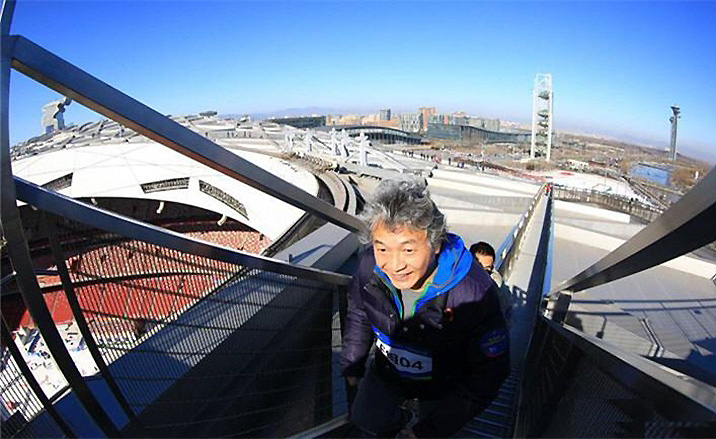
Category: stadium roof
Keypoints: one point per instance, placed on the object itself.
(148, 170)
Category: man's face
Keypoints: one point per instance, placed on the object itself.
(487, 262)
(404, 254)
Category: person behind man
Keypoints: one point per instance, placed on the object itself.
(433, 315)
(485, 255)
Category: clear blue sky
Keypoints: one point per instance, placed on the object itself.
(617, 67)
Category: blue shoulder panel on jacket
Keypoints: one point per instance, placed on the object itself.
(454, 262)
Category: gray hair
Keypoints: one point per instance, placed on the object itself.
(406, 202)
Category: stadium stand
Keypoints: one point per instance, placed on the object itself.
(120, 280)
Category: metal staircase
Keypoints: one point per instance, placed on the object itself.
(498, 419)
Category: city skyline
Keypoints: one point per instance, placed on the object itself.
(617, 67)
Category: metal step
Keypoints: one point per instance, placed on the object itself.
(497, 419)
(485, 421)
(496, 403)
(504, 398)
(497, 412)
(477, 428)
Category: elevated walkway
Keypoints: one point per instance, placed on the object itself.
(526, 289)
(254, 354)
(525, 283)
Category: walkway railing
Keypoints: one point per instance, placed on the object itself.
(629, 205)
(686, 226)
(506, 252)
(215, 342)
(173, 351)
(579, 385)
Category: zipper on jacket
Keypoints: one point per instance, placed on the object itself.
(390, 295)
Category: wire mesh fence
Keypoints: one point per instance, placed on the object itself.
(19, 402)
(196, 346)
(17, 396)
(567, 393)
(23, 397)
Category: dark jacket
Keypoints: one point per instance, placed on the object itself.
(457, 326)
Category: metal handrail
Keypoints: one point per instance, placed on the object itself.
(686, 226)
(680, 396)
(18, 250)
(564, 363)
(507, 250)
(128, 227)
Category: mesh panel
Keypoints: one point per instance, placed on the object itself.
(196, 346)
(19, 404)
(586, 410)
(254, 357)
(41, 363)
(566, 394)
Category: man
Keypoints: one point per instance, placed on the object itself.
(485, 255)
(433, 315)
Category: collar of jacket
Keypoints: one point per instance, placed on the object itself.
(454, 262)
(431, 312)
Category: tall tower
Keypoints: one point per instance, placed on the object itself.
(542, 98)
(674, 120)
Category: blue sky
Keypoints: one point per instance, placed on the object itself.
(617, 67)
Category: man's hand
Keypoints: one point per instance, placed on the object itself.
(352, 381)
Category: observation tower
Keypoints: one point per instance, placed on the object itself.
(674, 121)
(542, 97)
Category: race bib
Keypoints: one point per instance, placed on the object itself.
(409, 364)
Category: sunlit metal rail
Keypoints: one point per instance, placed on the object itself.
(257, 314)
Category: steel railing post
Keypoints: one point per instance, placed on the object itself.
(19, 252)
(561, 307)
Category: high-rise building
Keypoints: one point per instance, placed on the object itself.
(385, 114)
(411, 122)
(426, 112)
